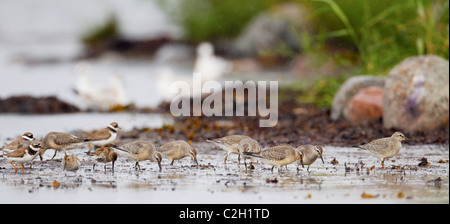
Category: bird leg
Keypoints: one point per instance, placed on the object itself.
(54, 155)
(15, 168)
(23, 170)
(382, 163)
(239, 159)
(245, 164)
(225, 160)
(137, 165)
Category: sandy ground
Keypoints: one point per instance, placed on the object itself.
(352, 180)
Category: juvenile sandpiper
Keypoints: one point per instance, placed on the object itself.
(70, 163)
(60, 141)
(384, 148)
(310, 153)
(248, 145)
(280, 155)
(230, 144)
(104, 155)
(177, 150)
(138, 151)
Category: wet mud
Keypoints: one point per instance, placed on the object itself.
(348, 176)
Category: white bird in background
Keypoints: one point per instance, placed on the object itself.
(96, 97)
(210, 66)
(165, 78)
(207, 64)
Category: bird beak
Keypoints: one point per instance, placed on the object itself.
(159, 165)
(195, 160)
(113, 166)
(322, 159)
(34, 138)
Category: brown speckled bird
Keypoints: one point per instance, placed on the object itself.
(177, 150)
(385, 148)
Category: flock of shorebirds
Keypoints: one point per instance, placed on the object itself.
(25, 149)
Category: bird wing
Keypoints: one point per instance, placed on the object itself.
(17, 153)
(101, 134)
(249, 145)
(168, 146)
(14, 144)
(65, 139)
(136, 146)
(277, 152)
(24, 144)
(229, 140)
(378, 145)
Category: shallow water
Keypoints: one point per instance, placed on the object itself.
(401, 181)
(14, 125)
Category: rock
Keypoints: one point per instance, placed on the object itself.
(36, 105)
(271, 30)
(351, 87)
(416, 94)
(367, 104)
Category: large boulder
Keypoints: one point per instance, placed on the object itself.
(367, 104)
(271, 30)
(416, 94)
(349, 89)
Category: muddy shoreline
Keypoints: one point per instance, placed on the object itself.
(298, 124)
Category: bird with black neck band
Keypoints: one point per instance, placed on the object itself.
(104, 136)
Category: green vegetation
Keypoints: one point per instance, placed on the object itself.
(371, 36)
(356, 37)
(206, 20)
(385, 32)
(102, 32)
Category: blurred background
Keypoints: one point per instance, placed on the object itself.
(112, 55)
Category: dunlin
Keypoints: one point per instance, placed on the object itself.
(230, 144)
(176, 150)
(104, 136)
(104, 155)
(23, 155)
(385, 148)
(70, 163)
(310, 153)
(277, 156)
(60, 141)
(21, 142)
(140, 150)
